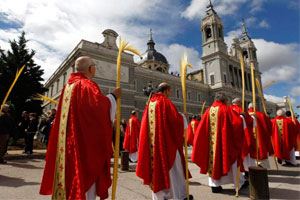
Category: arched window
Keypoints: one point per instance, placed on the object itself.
(149, 66)
(220, 33)
(159, 69)
(245, 54)
(208, 33)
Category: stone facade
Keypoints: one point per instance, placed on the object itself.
(221, 70)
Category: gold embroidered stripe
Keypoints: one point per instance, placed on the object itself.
(151, 122)
(212, 139)
(59, 184)
(193, 126)
(130, 121)
(279, 123)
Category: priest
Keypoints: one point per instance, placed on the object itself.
(264, 131)
(282, 135)
(249, 144)
(191, 130)
(79, 149)
(161, 162)
(218, 143)
(132, 136)
(294, 132)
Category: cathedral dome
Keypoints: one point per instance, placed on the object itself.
(151, 54)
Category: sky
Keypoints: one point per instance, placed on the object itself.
(55, 27)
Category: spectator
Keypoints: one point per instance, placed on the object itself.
(30, 131)
(6, 128)
(122, 133)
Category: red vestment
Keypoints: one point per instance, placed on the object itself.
(161, 136)
(281, 133)
(88, 141)
(191, 131)
(264, 131)
(249, 143)
(132, 135)
(294, 131)
(217, 142)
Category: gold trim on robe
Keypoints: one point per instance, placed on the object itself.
(279, 123)
(151, 121)
(59, 184)
(130, 121)
(212, 139)
(193, 126)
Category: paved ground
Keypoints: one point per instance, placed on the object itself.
(20, 179)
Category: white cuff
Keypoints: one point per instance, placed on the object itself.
(244, 123)
(113, 106)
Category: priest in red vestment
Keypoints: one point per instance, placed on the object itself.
(264, 131)
(79, 149)
(249, 143)
(281, 135)
(191, 130)
(132, 135)
(293, 131)
(161, 162)
(218, 144)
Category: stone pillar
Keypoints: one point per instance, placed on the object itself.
(259, 185)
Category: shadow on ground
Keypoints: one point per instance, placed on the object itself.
(279, 193)
(14, 182)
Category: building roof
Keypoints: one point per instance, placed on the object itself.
(151, 53)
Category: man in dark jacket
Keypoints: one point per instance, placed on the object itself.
(6, 128)
(30, 132)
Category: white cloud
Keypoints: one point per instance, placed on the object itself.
(264, 24)
(197, 8)
(174, 53)
(55, 27)
(295, 91)
(274, 99)
(256, 5)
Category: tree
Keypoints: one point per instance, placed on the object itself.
(29, 82)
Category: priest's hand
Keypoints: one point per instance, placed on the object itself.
(117, 92)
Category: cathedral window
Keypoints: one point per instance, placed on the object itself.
(212, 79)
(199, 97)
(57, 85)
(225, 78)
(159, 69)
(149, 67)
(231, 75)
(220, 33)
(177, 94)
(245, 55)
(52, 90)
(64, 78)
(208, 33)
(189, 95)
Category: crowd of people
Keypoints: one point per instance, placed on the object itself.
(225, 139)
(30, 126)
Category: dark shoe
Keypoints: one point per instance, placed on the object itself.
(245, 185)
(216, 189)
(287, 163)
(246, 176)
(191, 197)
(3, 162)
(279, 161)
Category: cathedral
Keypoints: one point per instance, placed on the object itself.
(221, 70)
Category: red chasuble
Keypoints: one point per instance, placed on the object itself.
(294, 131)
(249, 143)
(191, 131)
(161, 136)
(132, 135)
(281, 135)
(79, 156)
(264, 131)
(217, 142)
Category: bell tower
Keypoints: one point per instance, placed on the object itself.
(214, 49)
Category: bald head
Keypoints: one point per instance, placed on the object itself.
(164, 88)
(280, 112)
(236, 101)
(85, 65)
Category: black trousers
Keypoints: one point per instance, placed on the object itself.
(29, 142)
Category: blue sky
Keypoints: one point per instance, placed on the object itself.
(55, 27)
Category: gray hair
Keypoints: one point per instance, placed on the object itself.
(235, 100)
(220, 96)
(250, 105)
(280, 112)
(82, 63)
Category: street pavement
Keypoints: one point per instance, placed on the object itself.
(20, 179)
